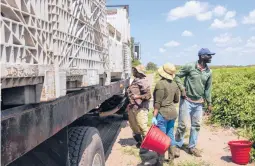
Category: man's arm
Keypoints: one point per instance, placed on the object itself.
(184, 71)
(208, 89)
(145, 90)
(147, 95)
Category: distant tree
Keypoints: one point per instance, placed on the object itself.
(151, 66)
(135, 63)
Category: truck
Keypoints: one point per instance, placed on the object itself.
(63, 63)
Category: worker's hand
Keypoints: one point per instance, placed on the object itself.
(154, 121)
(208, 111)
(209, 108)
(136, 97)
(183, 94)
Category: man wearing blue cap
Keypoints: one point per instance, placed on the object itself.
(195, 90)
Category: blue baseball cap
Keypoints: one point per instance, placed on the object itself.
(205, 51)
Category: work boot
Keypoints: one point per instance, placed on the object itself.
(147, 156)
(160, 160)
(195, 152)
(177, 152)
(139, 139)
(171, 154)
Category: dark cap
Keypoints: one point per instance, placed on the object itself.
(205, 51)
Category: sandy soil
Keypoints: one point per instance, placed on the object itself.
(212, 141)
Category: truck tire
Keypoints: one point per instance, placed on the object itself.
(85, 147)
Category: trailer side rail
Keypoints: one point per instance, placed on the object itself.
(25, 127)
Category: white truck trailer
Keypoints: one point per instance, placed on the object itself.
(60, 59)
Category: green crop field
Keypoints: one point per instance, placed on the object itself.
(233, 96)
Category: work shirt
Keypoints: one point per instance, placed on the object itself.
(166, 93)
(140, 87)
(197, 82)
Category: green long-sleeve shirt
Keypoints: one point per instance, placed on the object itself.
(197, 82)
(166, 93)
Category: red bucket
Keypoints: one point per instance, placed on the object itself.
(240, 151)
(156, 140)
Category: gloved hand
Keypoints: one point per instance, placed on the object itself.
(154, 121)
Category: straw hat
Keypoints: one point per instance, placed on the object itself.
(139, 70)
(167, 71)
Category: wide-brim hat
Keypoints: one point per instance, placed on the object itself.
(139, 70)
(167, 71)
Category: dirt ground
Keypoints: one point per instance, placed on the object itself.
(212, 141)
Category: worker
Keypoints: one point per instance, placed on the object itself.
(194, 92)
(166, 94)
(139, 95)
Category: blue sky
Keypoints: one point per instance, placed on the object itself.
(174, 30)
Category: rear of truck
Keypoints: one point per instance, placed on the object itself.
(59, 60)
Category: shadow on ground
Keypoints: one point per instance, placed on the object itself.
(127, 142)
(226, 159)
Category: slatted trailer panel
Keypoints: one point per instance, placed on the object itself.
(51, 42)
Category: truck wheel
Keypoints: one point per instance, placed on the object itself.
(85, 147)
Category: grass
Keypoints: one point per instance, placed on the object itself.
(130, 150)
(193, 163)
(149, 72)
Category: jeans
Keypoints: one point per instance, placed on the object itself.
(191, 110)
(167, 127)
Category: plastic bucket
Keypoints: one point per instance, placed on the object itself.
(156, 140)
(240, 151)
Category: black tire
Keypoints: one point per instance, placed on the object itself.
(85, 146)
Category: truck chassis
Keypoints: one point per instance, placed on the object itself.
(25, 127)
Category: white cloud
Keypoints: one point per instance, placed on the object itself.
(250, 19)
(162, 50)
(190, 9)
(230, 15)
(219, 11)
(172, 44)
(243, 50)
(226, 23)
(204, 16)
(187, 33)
(251, 42)
(225, 40)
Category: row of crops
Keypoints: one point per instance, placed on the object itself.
(233, 98)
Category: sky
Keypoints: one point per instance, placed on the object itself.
(174, 30)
